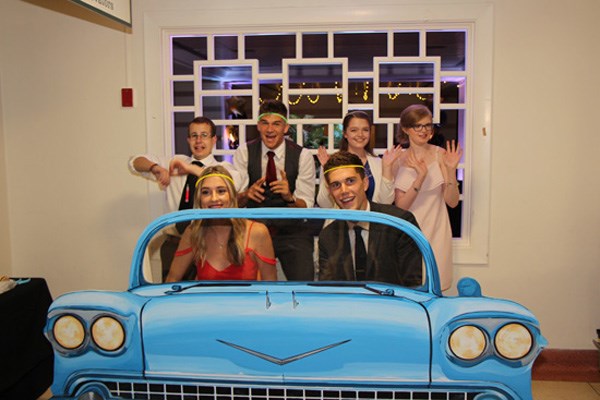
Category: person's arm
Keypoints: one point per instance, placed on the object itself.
(305, 183)
(182, 259)
(180, 167)
(383, 171)
(143, 164)
(264, 254)
(235, 175)
(450, 160)
(323, 198)
(240, 163)
(404, 199)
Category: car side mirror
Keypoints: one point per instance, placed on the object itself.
(468, 287)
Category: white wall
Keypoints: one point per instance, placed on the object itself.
(75, 212)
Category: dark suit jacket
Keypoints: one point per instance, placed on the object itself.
(392, 256)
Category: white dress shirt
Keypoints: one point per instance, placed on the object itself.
(305, 182)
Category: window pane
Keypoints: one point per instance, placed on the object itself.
(181, 121)
(226, 47)
(406, 74)
(213, 107)
(239, 107)
(455, 215)
(269, 90)
(269, 50)
(453, 90)
(452, 125)
(360, 91)
(391, 105)
(314, 45)
(186, 50)
(319, 76)
(315, 106)
(380, 138)
(314, 136)
(360, 48)
(183, 93)
(406, 44)
(224, 76)
(450, 46)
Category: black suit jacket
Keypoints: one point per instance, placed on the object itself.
(392, 256)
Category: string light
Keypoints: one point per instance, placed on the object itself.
(313, 101)
(393, 96)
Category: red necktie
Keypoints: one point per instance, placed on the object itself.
(271, 170)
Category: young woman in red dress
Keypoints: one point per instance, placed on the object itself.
(223, 249)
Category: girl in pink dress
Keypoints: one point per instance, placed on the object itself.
(426, 183)
(224, 249)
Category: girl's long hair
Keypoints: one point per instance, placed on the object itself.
(235, 242)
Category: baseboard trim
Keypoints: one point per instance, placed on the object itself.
(567, 365)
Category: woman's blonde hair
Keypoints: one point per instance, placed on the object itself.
(235, 242)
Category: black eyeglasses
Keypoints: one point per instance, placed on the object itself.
(420, 127)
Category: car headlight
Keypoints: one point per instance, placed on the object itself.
(108, 333)
(513, 341)
(467, 342)
(68, 332)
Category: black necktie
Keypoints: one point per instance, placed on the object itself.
(187, 196)
(360, 255)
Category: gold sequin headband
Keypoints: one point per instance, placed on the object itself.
(344, 166)
(273, 113)
(216, 175)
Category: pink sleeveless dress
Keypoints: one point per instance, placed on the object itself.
(429, 208)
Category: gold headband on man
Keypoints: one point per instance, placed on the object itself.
(273, 113)
(344, 166)
(215, 175)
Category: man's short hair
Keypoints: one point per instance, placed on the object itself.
(203, 120)
(340, 159)
(273, 106)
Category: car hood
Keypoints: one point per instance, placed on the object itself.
(287, 336)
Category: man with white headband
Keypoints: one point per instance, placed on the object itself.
(279, 173)
(362, 251)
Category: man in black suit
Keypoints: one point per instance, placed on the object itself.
(391, 255)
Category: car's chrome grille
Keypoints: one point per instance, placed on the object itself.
(153, 391)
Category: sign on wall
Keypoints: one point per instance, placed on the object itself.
(118, 10)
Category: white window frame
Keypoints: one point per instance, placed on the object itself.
(159, 26)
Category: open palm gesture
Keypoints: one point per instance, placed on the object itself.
(453, 155)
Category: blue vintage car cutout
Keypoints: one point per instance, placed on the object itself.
(290, 340)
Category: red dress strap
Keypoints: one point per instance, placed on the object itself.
(183, 252)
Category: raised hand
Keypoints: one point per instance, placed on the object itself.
(256, 190)
(417, 164)
(282, 187)
(453, 155)
(389, 165)
(180, 167)
(322, 155)
(162, 175)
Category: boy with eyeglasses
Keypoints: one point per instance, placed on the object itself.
(177, 177)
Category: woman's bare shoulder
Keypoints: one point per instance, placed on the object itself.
(258, 229)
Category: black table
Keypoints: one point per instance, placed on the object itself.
(26, 357)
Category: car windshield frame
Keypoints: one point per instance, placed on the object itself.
(431, 282)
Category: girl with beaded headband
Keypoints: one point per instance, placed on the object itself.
(223, 249)
(357, 127)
